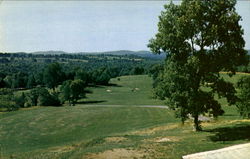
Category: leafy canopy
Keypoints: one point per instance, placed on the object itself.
(243, 103)
(53, 75)
(73, 90)
(201, 38)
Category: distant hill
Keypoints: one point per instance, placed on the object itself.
(143, 53)
(146, 54)
(49, 52)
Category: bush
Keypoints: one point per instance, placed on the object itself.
(40, 96)
(7, 102)
(47, 99)
(20, 100)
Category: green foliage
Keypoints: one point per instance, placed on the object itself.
(47, 99)
(53, 75)
(32, 97)
(40, 96)
(244, 96)
(7, 102)
(2, 83)
(20, 100)
(82, 75)
(8, 81)
(16, 80)
(101, 76)
(199, 46)
(31, 81)
(137, 71)
(66, 92)
(72, 91)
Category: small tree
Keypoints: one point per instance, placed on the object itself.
(77, 90)
(201, 39)
(244, 96)
(66, 92)
(72, 91)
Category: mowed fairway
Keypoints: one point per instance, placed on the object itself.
(114, 124)
(126, 90)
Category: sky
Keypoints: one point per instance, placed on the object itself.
(85, 26)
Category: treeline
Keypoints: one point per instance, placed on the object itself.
(21, 70)
(50, 83)
(51, 87)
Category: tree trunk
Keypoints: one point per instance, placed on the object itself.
(182, 121)
(197, 125)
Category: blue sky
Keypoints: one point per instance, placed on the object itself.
(85, 26)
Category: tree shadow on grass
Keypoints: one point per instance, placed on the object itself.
(104, 85)
(230, 115)
(232, 133)
(96, 86)
(91, 102)
(113, 85)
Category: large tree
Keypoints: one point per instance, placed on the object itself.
(201, 38)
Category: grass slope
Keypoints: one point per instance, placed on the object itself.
(124, 131)
(125, 90)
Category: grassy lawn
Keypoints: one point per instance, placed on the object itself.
(123, 131)
(125, 90)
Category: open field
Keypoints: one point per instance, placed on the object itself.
(109, 124)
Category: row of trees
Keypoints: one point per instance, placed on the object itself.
(55, 73)
(56, 91)
(70, 91)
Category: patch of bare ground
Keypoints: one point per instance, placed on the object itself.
(155, 149)
(63, 149)
(240, 73)
(115, 139)
(224, 122)
(156, 129)
(118, 153)
(165, 139)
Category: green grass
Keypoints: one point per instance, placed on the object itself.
(28, 130)
(129, 90)
(83, 130)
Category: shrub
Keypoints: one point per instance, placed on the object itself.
(7, 102)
